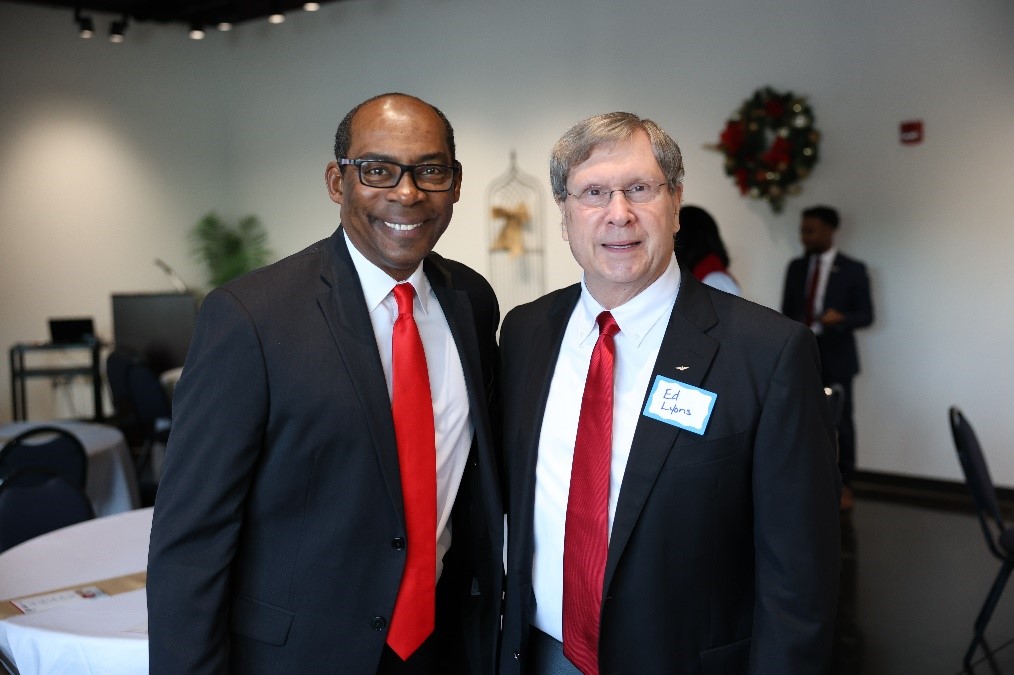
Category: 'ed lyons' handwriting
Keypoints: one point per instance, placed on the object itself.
(669, 398)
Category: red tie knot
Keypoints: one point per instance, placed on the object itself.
(403, 295)
(607, 324)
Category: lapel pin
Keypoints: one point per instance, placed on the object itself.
(682, 367)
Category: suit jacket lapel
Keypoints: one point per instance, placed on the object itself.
(831, 291)
(458, 311)
(343, 305)
(685, 346)
(543, 363)
(547, 338)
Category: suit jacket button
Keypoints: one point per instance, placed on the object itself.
(378, 623)
(398, 543)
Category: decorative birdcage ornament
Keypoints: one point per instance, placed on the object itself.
(516, 250)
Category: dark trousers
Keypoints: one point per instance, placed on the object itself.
(545, 655)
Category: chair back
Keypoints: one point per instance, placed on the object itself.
(7, 665)
(118, 365)
(150, 401)
(46, 447)
(835, 401)
(35, 501)
(980, 483)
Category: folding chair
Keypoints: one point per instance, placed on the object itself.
(999, 535)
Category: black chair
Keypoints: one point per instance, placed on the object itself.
(836, 401)
(118, 365)
(835, 395)
(7, 665)
(143, 414)
(36, 501)
(46, 447)
(999, 535)
(151, 406)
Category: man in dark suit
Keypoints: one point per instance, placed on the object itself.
(716, 549)
(830, 292)
(279, 542)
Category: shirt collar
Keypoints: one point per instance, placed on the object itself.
(827, 257)
(637, 316)
(377, 284)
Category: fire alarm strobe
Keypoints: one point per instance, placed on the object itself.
(911, 132)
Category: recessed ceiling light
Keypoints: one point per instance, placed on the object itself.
(225, 26)
(277, 17)
(196, 32)
(85, 25)
(117, 30)
(311, 6)
(86, 28)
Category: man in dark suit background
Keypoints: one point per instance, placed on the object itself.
(279, 539)
(830, 292)
(712, 505)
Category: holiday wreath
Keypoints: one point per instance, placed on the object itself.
(770, 145)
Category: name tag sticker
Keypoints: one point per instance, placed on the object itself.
(679, 404)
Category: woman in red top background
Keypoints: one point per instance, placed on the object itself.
(699, 250)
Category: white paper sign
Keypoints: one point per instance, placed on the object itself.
(40, 603)
(679, 404)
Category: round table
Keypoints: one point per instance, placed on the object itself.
(110, 483)
(102, 635)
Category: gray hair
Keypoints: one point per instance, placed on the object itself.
(583, 138)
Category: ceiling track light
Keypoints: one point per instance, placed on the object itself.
(117, 30)
(85, 25)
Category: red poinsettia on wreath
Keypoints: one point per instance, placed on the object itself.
(770, 145)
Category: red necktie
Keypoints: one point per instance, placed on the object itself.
(811, 292)
(414, 614)
(586, 538)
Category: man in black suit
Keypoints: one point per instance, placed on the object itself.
(830, 292)
(710, 510)
(279, 540)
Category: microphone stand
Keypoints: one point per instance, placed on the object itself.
(177, 281)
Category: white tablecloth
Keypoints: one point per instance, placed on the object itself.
(111, 483)
(105, 635)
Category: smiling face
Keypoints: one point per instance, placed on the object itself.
(394, 228)
(622, 247)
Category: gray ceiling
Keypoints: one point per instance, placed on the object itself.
(203, 12)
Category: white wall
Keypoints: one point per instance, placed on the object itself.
(109, 153)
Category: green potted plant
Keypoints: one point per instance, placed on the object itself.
(228, 251)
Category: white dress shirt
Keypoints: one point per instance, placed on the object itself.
(454, 429)
(723, 281)
(642, 321)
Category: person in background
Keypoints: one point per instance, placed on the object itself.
(330, 497)
(700, 251)
(668, 452)
(830, 292)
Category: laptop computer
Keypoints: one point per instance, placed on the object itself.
(71, 331)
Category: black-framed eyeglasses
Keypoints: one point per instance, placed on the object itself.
(383, 174)
(596, 197)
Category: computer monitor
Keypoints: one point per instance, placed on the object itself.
(157, 326)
